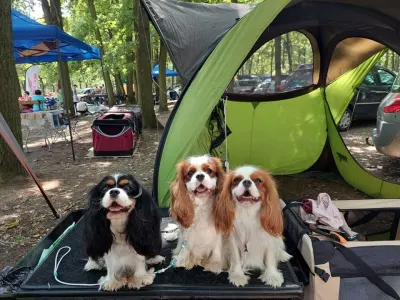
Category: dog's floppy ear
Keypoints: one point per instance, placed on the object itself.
(143, 227)
(224, 208)
(98, 236)
(182, 209)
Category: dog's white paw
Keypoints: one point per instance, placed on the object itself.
(238, 279)
(108, 284)
(155, 260)
(214, 267)
(272, 278)
(146, 278)
(284, 256)
(93, 265)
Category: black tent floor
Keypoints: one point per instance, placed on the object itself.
(173, 284)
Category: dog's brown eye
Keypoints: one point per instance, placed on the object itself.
(190, 173)
(236, 180)
(257, 180)
(208, 171)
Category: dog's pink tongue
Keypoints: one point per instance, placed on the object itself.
(115, 208)
(201, 189)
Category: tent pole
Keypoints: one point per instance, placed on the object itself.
(59, 60)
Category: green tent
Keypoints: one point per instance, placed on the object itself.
(286, 133)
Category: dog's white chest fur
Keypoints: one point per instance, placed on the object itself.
(200, 244)
(202, 235)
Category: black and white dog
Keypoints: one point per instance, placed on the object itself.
(122, 229)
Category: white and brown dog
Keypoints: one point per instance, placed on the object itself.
(199, 180)
(255, 233)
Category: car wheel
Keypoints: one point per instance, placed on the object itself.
(345, 122)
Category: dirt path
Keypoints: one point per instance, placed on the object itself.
(378, 164)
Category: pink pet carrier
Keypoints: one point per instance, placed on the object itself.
(114, 134)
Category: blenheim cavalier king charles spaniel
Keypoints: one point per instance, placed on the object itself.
(255, 232)
(122, 229)
(199, 180)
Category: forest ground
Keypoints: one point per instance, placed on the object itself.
(25, 217)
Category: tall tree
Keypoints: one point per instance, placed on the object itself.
(288, 46)
(53, 16)
(162, 79)
(9, 92)
(130, 59)
(118, 84)
(145, 95)
(130, 53)
(106, 73)
(278, 57)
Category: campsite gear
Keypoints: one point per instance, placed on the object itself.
(338, 270)
(267, 128)
(173, 283)
(325, 212)
(114, 134)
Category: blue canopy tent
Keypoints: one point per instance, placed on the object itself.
(37, 43)
(169, 73)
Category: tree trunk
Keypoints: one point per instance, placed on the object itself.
(234, 1)
(106, 73)
(393, 55)
(142, 30)
(162, 79)
(156, 81)
(272, 58)
(130, 59)
(278, 52)
(387, 59)
(288, 45)
(118, 84)
(9, 93)
(53, 16)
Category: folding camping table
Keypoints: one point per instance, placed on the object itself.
(374, 207)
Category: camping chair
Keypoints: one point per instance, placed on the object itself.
(374, 207)
(64, 126)
(37, 128)
(336, 269)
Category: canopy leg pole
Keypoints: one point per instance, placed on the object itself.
(59, 60)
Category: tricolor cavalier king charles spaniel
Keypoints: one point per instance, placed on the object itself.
(122, 229)
(255, 231)
(199, 180)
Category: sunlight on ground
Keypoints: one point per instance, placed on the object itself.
(103, 164)
(47, 186)
(8, 218)
(362, 150)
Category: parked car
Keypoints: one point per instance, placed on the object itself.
(375, 86)
(249, 77)
(246, 85)
(85, 93)
(266, 87)
(302, 77)
(386, 135)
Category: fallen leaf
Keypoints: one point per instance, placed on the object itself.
(13, 224)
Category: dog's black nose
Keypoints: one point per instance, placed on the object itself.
(200, 177)
(246, 183)
(114, 193)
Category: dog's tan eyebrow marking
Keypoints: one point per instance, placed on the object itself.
(110, 182)
(124, 181)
